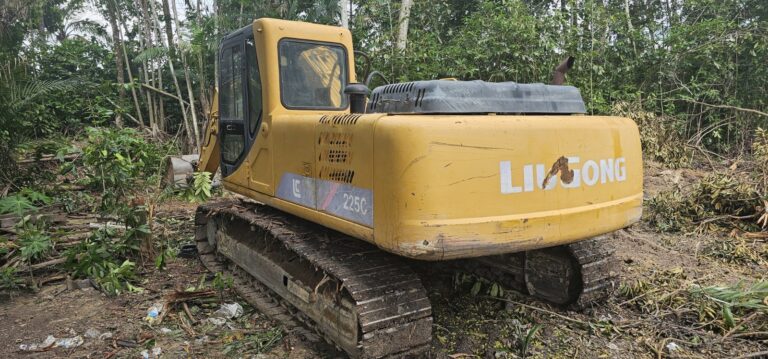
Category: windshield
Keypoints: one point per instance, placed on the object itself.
(312, 75)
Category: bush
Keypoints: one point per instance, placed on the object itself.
(23, 202)
(717, 199)
(723, 194)
(668, 212)
(116, 160)
(717, 308)
(760, 156)
(200, 188)
(103, 257)
(660, 137)
(737, 250)
(34, 242)
(8, 280)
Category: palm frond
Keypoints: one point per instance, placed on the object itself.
(89, 27)
(150, 54)
(18, 94)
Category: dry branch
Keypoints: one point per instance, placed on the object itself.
(728, 107)
(45, 264)
(164, 93)
(754, 355)
(181, 297)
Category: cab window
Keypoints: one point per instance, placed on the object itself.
(225, 89)
(254, 87)
(232, 140)
(312, 75)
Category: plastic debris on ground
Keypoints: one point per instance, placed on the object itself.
(153, 313)
(67, 343)
(202, 340)
(52, 342)
(672, 346)
(217, 321)
(155, 353)
(229, 311)
(93, 333)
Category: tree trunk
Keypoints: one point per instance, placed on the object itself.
(169, 28)
(205, 107)
(133, 90)
(630, 28)
(240, 16)
(190, 138)
(158, 75)
(145, 42)
(344, 8)
(629, 17)
(217, 38)
(149, 96)
(192, 110)
(160, 101)
(130, 77)
(405, 14)
(574, 14)
(118, 49)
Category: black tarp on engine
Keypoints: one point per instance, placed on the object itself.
(450, 97)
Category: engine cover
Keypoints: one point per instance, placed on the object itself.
(447, 97)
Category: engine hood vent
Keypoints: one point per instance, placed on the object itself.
(453, 97)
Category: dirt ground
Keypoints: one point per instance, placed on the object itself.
(466, 326)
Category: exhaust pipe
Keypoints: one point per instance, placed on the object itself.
(558, 76)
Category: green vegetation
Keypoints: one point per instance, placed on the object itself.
(714, 201)
(117, 173)
(200, 188)
(34, 242)
(9, 281)
(718, 308)
(25, 201)
(259, 342)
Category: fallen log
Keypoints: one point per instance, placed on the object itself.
(36, 266)
(47, 158)
(52, 278)
(10, 220)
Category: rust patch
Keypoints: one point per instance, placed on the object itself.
(561, 165)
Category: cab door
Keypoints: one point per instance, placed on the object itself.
(233, 106)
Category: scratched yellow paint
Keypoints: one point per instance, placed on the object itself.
(448, 186)
(441, 178)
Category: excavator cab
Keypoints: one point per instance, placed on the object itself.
(312, 77)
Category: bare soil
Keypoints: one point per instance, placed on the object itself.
(465, 325)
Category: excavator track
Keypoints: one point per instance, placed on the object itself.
(577, 274)
(367, 302)
(371, 304)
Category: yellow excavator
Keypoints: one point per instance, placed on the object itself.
(346, 188)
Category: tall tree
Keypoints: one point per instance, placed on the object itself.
(344, 7)
(405, 15)
(117, 46)
(192, 109)
(191, 143)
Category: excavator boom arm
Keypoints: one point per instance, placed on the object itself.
(210, 150)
